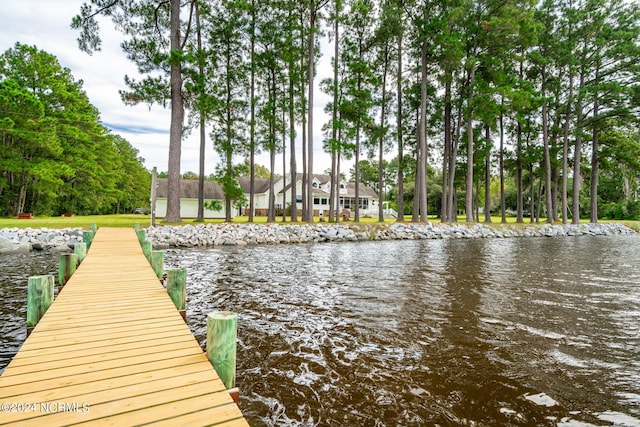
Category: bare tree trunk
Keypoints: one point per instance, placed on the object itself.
(252, 124)
(503, 210)
(422, 129)
(470, 149)
(203, 142)
(312, 33)
(292, 147)
(447, 149)
(334, 118)
(577, 155)
(271, 216)
(594, 164)
(303, 106)
(338, 183)
(177, 118)
(284, 159)
(383, 114)
(400, 217)
(356, 217)
(547, 154)
(487, 177)
(453, 197)
(519, 183)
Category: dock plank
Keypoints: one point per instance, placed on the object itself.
(113, 350)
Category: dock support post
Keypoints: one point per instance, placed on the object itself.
(39, 298)
(94, 227)
(136, 226)
(147, 247)
(222, 331)
(157, 262)
(67, 264)
(87, 238)
(80, 250)
(141, 235)
(177, 289)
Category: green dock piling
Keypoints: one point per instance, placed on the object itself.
(157, 262)
(67, 264)
(80, 250)
(39, 298)
(222, 327)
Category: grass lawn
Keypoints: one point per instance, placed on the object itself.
(129, 220)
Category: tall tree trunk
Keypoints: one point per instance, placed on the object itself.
(565, 157)
(594, 162)
(284, 158)
(383, 116)
(532, 206)
(487, 177)
(177, 118)
(334, 117)
(547, 154)
(292, 140)
(447, 148)
(203, 142)
(338, 183)
(415, 214)
(453, 197)
(577, 155)
(470, 148)
(356, 216)
(312, 46)
(271, 216)
(303, 106)
(228, 135)
(503, 209)
(400, 133)
(519, 183)
(422, 175)
(252, 123)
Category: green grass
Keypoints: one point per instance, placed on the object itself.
(130, 220)
(76, 221)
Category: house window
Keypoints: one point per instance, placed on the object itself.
(316, 200)
(298, 198)
(324, 201)
(314, 184)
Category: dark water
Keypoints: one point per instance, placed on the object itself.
(477, 332)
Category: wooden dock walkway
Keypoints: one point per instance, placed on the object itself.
(113, 350)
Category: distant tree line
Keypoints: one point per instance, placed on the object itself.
(531, 102)
(55, 155)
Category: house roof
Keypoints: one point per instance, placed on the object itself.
(325, 179)
(364, 190)
(261, 185)
(189, 189)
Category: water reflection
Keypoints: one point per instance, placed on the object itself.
(436, 332)
(449, 332)
(15, 270)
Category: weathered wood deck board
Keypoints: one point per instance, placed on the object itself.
(113, 350)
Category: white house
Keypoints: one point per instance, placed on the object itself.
(368, 199)
(189, 198)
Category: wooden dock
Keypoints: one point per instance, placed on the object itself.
(113, 350)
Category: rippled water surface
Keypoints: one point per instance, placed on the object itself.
(538, 331)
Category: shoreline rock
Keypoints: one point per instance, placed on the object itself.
(15, 240)
(230, 234)
(25, 240)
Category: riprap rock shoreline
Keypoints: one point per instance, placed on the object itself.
(16, 240)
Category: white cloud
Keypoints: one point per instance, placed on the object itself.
(46, 24)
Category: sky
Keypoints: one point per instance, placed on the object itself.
(46, 24)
